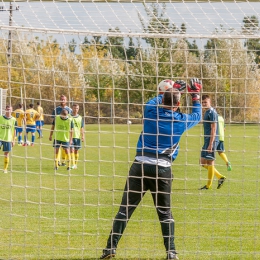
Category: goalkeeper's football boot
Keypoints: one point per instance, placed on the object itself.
(229, 168)
(221, 182)
(108, 253)
(204, 188)
(172, 255)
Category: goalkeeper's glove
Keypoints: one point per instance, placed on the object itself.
(180, 85)
(195, 88)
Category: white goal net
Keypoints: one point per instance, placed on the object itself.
(108, 57)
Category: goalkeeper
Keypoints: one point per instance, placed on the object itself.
(157, 148)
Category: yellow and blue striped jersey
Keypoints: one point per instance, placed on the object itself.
(40, 111)
(18, 114)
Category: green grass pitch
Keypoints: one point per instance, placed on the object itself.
(68, 215)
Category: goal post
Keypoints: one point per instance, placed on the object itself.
(109, 57)
(3, 96)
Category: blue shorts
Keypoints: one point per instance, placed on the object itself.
(7, 146)
(19, 129)
(220, 147)
(30, 128)
(209, 155)
(76, 143)
(39, 123)
(58, 144)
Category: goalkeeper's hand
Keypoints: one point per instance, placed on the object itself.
(195, 88)
(180, 85)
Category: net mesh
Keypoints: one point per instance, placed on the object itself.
(108, 57)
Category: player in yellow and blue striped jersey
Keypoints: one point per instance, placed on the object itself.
(18, 114)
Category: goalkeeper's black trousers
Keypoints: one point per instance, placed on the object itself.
(143, 177)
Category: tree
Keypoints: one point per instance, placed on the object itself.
(115, 45)
(231, 74)
(251, 27)
(72, 45)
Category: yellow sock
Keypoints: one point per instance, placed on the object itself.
(217, 174)
(76, 157)
(210, 175)
(72, 158)
(57, 156)
(63, 155)
(68, 159)
(224, 157)
(6, 162)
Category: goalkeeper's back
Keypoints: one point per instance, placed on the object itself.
(163, 127)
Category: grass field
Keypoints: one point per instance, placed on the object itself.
(68, 215)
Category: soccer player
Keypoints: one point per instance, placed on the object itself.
(18, 114)
(62, 129)
(31, 115)
(56, 112)
(157, 148)
(211, 139)
(78, 135)
(63, 105)
(40, 120)
(220, 147)
(7, 134)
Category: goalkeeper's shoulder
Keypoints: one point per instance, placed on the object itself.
(155, 100)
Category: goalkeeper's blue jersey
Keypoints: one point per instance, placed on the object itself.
(162, 129)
